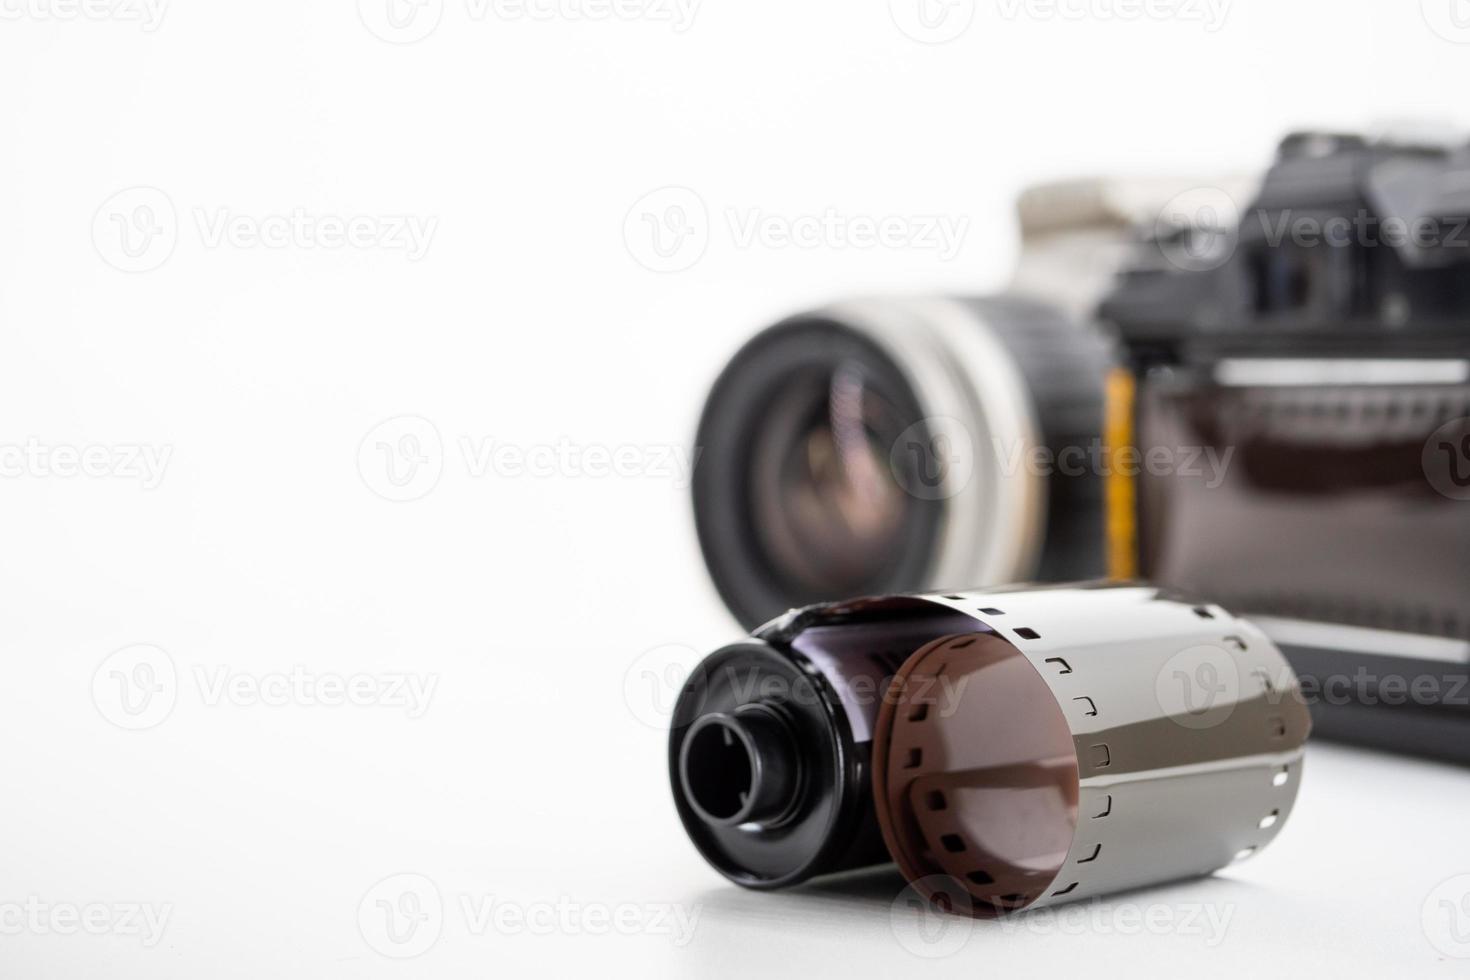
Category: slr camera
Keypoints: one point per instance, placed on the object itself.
(1254, 389)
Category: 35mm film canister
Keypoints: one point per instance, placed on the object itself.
(1007, 749)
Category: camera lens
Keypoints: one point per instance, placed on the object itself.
(795, 495)
(885, 446)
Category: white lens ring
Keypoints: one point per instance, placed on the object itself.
(962, 374)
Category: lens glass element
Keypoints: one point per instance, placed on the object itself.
(826, 506)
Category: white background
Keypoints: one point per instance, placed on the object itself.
(532, 602)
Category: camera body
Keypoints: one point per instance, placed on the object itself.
(1312, 353)
(878, 444)
(1268, 404)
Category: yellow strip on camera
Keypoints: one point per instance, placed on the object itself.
(1120, 489)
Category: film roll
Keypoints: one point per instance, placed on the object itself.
(1027, 746)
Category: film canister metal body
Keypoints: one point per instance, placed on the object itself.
(1010, 748)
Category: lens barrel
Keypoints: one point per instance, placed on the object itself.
(892, 445)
